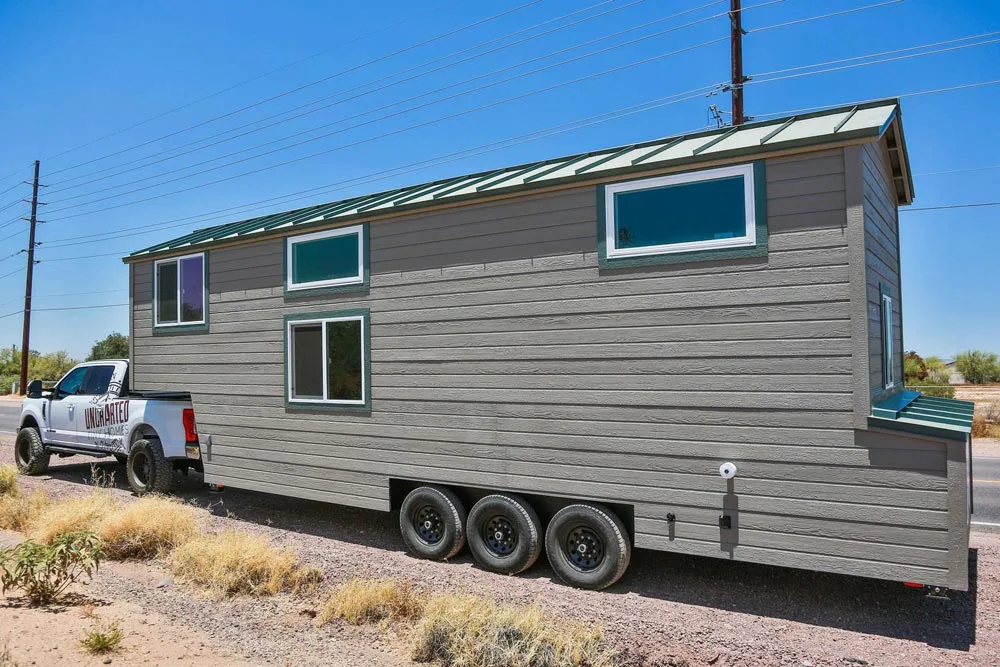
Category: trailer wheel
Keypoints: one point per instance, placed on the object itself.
(587, 546)
(148, 470)
(432, 521)
(505, 534)
(29, 452)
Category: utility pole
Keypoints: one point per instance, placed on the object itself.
(736, 44)
(26, 332)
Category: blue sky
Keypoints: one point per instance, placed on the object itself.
(76, 72)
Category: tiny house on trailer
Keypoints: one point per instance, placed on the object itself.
(692, 344)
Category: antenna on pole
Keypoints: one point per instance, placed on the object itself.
(736, 44)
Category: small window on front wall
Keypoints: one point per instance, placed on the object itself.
(333, 258)
(702, 210)
(326, 359)
(179, 289)
(888, 356)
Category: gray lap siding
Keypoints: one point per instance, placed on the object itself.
(502, 357)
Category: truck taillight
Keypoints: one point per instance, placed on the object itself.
(190, 428)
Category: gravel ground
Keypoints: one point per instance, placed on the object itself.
(668, 610)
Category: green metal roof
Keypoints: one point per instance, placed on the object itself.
(870, 120)
(912, 411)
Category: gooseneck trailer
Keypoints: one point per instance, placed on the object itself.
(692, 344)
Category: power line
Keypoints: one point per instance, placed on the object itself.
(360, 87)
(49, 310)
(406, 129)
(958, 171)
(933, 91)
(947, 206)
(395, 103)
(49, 296)
(872, 62)
(400, 170)
(338, 47)
(308, 85)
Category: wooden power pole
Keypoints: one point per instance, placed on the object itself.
(26, 331)
(736, 44)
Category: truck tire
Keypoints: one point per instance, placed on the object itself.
(148, 470)
(432, 521)
(504, 533)
(29, 452)
(587, 546)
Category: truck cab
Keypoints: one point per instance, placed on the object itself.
(92, 411)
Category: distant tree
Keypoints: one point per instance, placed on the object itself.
(914, 368)
(935, 380)
(112, 346)
(978, 367)
(50, 366)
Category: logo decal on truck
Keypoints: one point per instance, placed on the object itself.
(112, 414)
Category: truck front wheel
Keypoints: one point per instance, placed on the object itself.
(29, 452)
(148, 470)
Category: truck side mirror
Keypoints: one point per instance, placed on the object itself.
(35, 389)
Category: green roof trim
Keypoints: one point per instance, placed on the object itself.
(751, 141)
(911, 411)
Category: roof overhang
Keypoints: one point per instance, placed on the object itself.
(913, 412)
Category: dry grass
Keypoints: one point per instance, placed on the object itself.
(71, 515)
(986, 422)
(8, 480)
(359, 601)
(240, 563)
(147, 528)
(19, 511)
(472, 631)
(102, 637)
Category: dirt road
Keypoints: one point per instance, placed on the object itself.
(668, 610)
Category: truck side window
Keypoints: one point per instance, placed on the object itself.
(71, 384)
(97, 381)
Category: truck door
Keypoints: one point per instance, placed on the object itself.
(101, 416)
(63, 408)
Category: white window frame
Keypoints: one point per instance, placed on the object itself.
(750, 239)
(888, 354)
(290, 357)
(316, 236)
(156, 291)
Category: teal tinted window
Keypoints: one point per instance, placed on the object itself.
(166, 293)
(344, 365)
(683, 213)
(331, 258)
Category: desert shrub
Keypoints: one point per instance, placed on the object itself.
(72, 514)
(19, 511)
(146, 528)
(43, 571)
(102, 637)
(914, 368)
(470, 631)
(986, 422)
(240, 563)
(978, 367)
(358, 601)
(8, 480)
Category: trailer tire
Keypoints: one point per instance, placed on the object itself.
(29, 452)
(147, 469)
(504, 533)
(432, 522)
(587, 546)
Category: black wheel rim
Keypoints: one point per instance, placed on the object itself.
(428, 523)
(584, 548)
(23, 452)
(141, 469)
(499, 535)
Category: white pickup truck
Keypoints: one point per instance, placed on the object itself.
(92, 411)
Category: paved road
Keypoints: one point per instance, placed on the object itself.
(986, 492)
(985, 472)
(9, 413)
